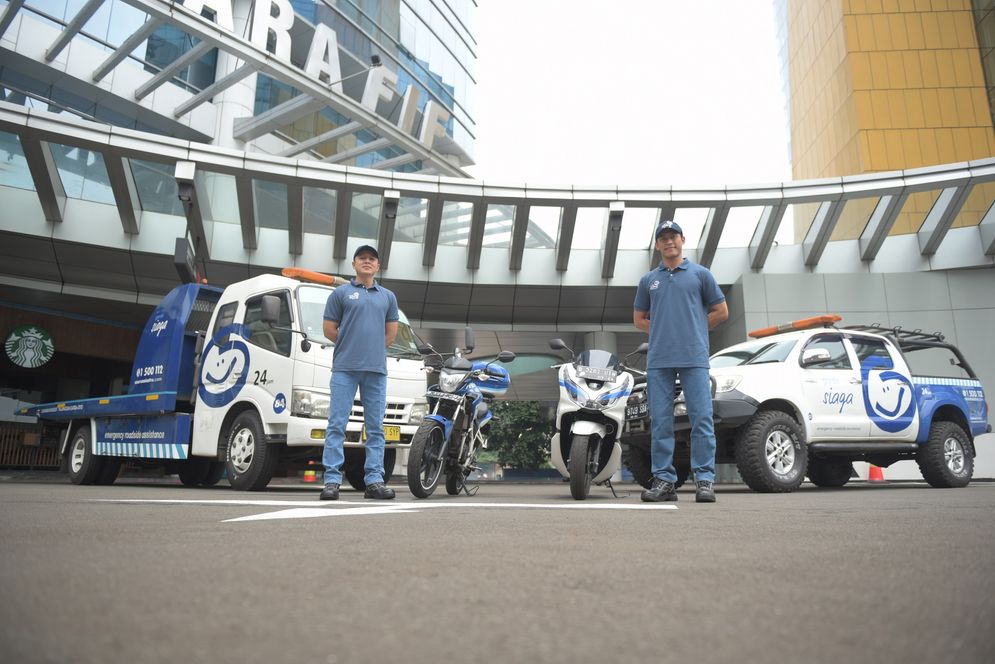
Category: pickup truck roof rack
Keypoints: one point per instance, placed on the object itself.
(913, 340)
(903, 336)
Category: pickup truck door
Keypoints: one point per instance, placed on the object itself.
(832, 391)
(888, 395)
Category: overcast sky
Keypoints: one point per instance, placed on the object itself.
(634, 92)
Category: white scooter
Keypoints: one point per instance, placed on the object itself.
(594, 387)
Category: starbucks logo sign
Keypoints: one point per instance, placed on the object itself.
(29, 346)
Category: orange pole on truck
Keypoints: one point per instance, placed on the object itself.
(801, 324)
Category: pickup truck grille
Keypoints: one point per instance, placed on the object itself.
(396, 413)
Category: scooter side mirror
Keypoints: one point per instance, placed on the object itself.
(506, 356)
(557, 344)
(643, 348)
(469, 341)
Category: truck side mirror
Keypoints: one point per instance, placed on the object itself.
(270, 309)
(426, 349)
(814, 356)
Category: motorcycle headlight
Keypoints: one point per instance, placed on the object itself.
(609, 399)
(576, 393)
(726, 383)
(450, 382)
(418, 413)
(307, 403)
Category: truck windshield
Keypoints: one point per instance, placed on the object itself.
(761, 352)
(312, 300)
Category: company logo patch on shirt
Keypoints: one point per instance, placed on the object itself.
(655, 285)
(354, 296)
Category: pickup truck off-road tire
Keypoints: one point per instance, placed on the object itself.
(249, 459)
(945, 458)
(829, 473)
(770, 452)
(85, 467)
(640, 465)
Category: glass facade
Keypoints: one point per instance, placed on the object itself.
(428, 44)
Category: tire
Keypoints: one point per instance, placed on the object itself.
(215, 471)
(354, 467)
(829, 473)
(945, 458)
(641, 466)
(84, 466)
(426, 459)
(249, 460)
(771, 454)
(579, 467)
(110, 471)
(193, 472)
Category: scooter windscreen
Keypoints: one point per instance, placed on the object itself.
(597, 365)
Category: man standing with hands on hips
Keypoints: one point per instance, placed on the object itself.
(677, 304)
(361, 319)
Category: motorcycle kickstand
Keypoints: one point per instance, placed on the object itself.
(612, 487)
(464, 489)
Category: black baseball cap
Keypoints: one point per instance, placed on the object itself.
(366, 249)
(668, 226)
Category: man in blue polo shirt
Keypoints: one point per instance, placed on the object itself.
(678, 303)
(361, 318)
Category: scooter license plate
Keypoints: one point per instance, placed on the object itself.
(391, 433)
(637, 411)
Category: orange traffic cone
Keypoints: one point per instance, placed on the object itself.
(875, 474)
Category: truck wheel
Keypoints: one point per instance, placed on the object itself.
(641, 466)
(829, 473)
(84, 465)
(110, 471)
(193, 472)
(945, 459)
(354, 466)
(249, 460)
(215, 472)
(770, 452)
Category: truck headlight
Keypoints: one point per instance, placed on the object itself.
(726, 383)
(306, 403)
(417, 413)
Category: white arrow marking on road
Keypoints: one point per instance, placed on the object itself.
(308, 510)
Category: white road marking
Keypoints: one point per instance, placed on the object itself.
(298, 509)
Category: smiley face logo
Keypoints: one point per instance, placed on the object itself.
(888, 396)
(224, 366)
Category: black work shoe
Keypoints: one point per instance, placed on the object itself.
(659, 491)
(378, 491)
(330, 492)
(704, 492)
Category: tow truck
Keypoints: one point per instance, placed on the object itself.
(234, 381)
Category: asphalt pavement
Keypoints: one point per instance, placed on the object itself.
(150, 571)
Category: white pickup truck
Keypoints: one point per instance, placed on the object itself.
(808, 398)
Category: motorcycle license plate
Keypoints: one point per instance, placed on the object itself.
(391, 433)
(637, 411)
(443, 395)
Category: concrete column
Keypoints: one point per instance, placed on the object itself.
(239, 100)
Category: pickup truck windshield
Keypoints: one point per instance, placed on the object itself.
(312, 300)
(762, 352)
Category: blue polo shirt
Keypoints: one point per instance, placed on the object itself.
(678, 301)
(362, 314)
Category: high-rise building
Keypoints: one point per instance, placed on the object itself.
(394, 79)
(888, 85)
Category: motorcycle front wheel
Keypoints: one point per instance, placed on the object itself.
(426, 459)
(579, 467)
